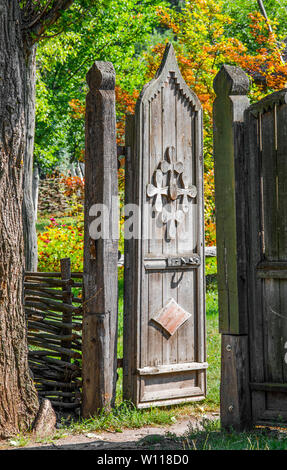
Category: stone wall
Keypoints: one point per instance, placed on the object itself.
(52, 198)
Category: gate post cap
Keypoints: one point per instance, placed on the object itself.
(101, 76)
(231, 80)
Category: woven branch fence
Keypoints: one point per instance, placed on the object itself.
(54, 313)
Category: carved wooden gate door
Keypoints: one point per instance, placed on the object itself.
(164, 318)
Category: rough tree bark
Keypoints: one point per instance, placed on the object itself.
(29, 217)
(18, 398)
(35, 189)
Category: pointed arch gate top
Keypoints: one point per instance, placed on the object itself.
(164, 311)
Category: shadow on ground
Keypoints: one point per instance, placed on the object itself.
(151, 442)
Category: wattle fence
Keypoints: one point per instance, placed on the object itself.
(53, 306)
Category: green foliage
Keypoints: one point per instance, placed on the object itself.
(239, 11)
(19, 441)
(210, 265)
(113, 30)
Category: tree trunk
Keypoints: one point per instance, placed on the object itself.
(18, 397)
(35, 190)
(29, 219)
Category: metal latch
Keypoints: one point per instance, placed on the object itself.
(174, 261)
(184, 261)
(170, 262)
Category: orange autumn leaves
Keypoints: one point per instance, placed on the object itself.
(266, 66)
(202, 46)
(74, 187)
(77, 109)
(125, 103)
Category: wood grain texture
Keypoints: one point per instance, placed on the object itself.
(101, 255)
(68, 299)
(235, 406)
(129, 345)
(256, 246)
(231, 86)
(168, 121)
(266, 130)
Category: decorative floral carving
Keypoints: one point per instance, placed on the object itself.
(158, 191)
(177, 187)
(186, 192)
(170, 217)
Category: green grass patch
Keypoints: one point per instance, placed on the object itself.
(122, 416)
(212, 438)
(213, 344)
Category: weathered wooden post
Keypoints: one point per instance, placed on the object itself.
(100, 253)
(67, 317)
(231, 86)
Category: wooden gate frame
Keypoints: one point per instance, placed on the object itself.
(231, 86)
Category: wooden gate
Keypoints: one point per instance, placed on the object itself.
(267, 265)
(164, 319)
(251, 199)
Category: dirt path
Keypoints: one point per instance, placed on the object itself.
(150, 437)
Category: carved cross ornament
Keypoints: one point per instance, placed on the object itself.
(177, 187)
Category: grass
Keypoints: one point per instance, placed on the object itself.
(210, 265)
(212, 438)
(213, 343)
(126, 415)
(208, 436)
